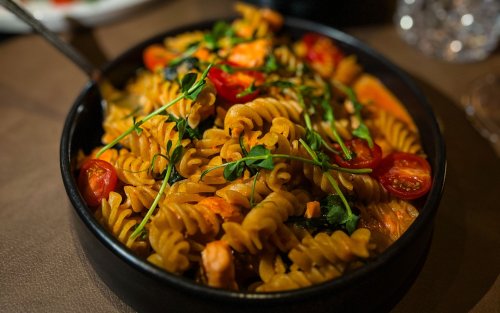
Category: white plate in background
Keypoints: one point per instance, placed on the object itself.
(87, 13)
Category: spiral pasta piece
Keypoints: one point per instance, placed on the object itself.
(115, 123)
(188, 191)
(193, 111)
(120, 222)
(133, 170)
(262, 221)
(288, 60)
(287, 128)
(399, 136)
(188, 219)
(171, 250)
(140, 197)
(181, 42)
(299, 279)
(255, 22)
(240, 191)
(337, 249)
(252, 115)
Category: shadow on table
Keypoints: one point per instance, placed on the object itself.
(464, 259)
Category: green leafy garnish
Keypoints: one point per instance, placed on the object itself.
(186, 55)
(188, 92)
(175, 177)
(314, 139)
(271, 64)
(252, 194)
(333, 216)
(329, 116)
(346, 217)
(220, 30)
(257, 158)
(261, 158)
(362, 130)
(172, 158)
(250, 89)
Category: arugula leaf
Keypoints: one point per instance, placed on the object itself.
(313, 139)
(136, 126)
(188, 81)
(324, 160)
(184, 128)
(265, 159)
(227, 68)
(194, 94)
(171, 72)
(252, 194)
(257, 150)
(232, 171)
(337, 215)
(313, 225)
(267, 163)
(176, 154)
(271, 64)
(169, 146)
(174, 176)
(351, 223)
(283, 84)
(242, 145)
(247, 90)
(363, 132)
(334, 208)
(219, 30)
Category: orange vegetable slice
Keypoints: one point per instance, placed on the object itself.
(370, 89)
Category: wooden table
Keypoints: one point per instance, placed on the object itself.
(43, 268)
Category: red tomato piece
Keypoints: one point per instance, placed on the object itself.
(57, 2)
(96, 180)
(362, 155)
(321, 53)
(156, 56)
(230, 85)
(405, 175)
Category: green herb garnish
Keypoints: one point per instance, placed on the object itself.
(346, 218)
(261, 158)
(362, 130)
(190, 90)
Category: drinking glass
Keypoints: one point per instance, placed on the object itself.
(452, 30)
(482, 107)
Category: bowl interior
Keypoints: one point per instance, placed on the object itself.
(82, 131)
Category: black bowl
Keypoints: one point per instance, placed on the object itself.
(374, 287)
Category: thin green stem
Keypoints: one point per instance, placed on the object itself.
(139, 123)
(156, 112)
(329, 176)
(253, 189)
(346, 151)
(291, 157)
(146, 218)
(336, 187)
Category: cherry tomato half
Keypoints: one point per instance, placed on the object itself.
(362, 155)
(321, 52)
(405, 175)
(96, 180)
(156, 56)
(230, 85)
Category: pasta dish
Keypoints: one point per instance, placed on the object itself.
(248, 160)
